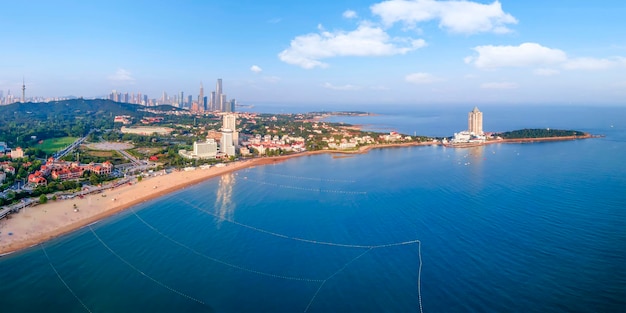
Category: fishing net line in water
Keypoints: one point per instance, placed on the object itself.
(321, 281)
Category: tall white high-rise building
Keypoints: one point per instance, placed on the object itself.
(226, 144)
(230, 137)
(475, 122)
(230, 122)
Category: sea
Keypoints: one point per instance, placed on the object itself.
(534, 227)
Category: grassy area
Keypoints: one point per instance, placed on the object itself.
(145, 152)
(55, 144)
(97, 156)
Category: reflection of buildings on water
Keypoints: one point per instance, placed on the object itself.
(224, 205)
(473, 158)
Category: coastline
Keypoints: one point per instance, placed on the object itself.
(518, 140)
(34, 225)
(38, 224)
(542, 139)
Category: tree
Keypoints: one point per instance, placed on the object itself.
(139, 178)
(43, 199)
(94, 179)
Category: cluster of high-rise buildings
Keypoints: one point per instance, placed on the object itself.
(209, 148)
(215, 101)
(12, 98)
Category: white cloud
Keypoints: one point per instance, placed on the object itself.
(256, 69)
(122, 76)
(501, 85)
(349, 14)
(275, 20)
(342, 88)
(546, 72)
(526, 54)
(422, 78)
(464, 17)
(307, 50)
(535, 55)
(593, 63)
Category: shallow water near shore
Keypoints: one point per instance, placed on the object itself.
(506, 227)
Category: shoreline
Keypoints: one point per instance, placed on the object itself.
(37, 224)
(518, 140)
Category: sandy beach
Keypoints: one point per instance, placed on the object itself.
(33, 225)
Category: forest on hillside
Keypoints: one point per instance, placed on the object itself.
(539, 133)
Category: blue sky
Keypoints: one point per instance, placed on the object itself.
(416, 52)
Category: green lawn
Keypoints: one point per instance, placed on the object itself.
(55, 144)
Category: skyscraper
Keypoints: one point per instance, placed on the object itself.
(218, 95)
(230, 137)
(181, 100)
(475, 122)
(201, 104)
(226, 144)
(213, 102)
(223, 103)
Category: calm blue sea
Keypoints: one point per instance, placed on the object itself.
(500, 228)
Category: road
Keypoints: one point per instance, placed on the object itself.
(71, 147)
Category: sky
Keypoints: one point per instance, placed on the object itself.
(414, 52)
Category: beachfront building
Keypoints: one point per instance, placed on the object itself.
(474, 132)
(230, 122)
(201, 150)
(230, 137)
(475, 122)
(37, 179)
(226, 144)
(63, 170)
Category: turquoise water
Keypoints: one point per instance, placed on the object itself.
(500, 228)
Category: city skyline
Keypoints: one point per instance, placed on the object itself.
(357, 52)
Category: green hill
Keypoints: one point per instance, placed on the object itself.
(23, 124)
(539, 133)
